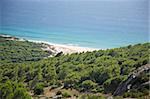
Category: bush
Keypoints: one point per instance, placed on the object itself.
(38, 88)
(88, 85)
(64, 93)
(132, 94)
(110, 85)
(13, 90)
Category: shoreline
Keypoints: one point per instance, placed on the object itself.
(66, 49)
(53, 47)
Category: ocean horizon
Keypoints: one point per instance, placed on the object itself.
(93, 24)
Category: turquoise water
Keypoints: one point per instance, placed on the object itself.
(87, 23)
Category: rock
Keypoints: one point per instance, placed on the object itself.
(128, 83)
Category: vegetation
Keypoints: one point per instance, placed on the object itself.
(89, 96)
(23, 69)
(19, 51)
(38, 88)
(13, 90)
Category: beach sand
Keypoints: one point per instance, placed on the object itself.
(66, 49)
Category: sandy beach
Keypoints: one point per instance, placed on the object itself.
(66, 49)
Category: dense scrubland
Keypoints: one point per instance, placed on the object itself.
(26, 73)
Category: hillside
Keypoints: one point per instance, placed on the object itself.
(25, 73)
(14, 50)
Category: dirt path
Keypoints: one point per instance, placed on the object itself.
(48, 92)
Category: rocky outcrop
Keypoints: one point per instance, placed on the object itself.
(128, 83)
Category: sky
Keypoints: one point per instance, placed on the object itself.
(81, 14)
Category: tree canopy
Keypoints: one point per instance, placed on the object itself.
(23, 68)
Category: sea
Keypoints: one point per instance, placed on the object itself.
(85, 23)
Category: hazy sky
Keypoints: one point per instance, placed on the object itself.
(82, 15)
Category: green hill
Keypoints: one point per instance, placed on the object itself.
(24, 70)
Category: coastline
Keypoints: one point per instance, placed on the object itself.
(56, 48)
(66, 49)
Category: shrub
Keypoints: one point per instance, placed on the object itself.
(65, 93)
(88, 84)
(132, 94)
(110, 85)
(38, 88)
